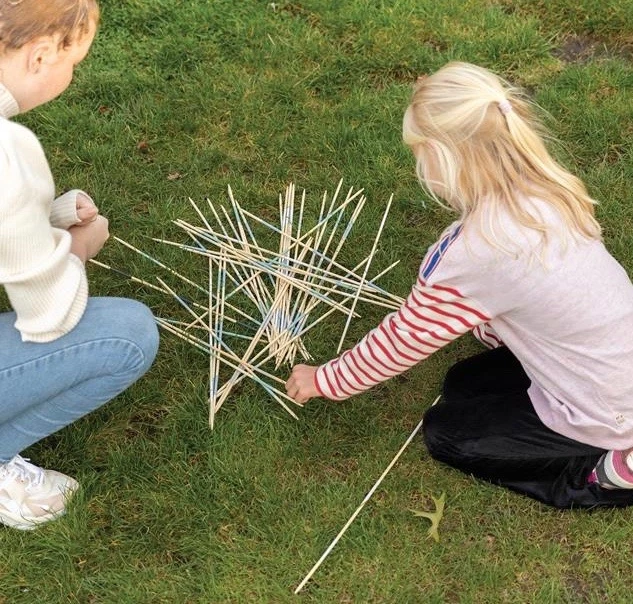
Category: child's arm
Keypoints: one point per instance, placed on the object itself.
(45, 282)
(431, 317)
(487, 336)
(73, 208)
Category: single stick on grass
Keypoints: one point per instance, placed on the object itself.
(212, 357)
(360, 507)
(219, 335)
(158, 263)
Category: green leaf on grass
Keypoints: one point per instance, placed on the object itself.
(435, 516)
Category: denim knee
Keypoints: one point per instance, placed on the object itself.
(143, 327)
(133, 321)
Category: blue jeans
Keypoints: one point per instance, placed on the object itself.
(44, 387)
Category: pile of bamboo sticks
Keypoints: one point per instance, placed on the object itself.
(261, 300)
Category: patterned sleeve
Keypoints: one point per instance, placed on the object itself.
(486, 334)
(431, 317)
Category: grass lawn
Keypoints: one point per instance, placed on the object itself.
(180, 98)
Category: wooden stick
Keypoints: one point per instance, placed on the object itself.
(212, 358)
(188, 326)
(220, 324)
(274, 271)
(309, 232)
(196, 318)
(360, 507)
(246, 281)
(371, 255)
(244, 258)
(246, 370)
(243, 223)
(227, 354)
(202, 216)
(294, 337)
(158, 263)
(135, 279)
(223, 240)
(301, 308)
(245, 358)
(145, 283)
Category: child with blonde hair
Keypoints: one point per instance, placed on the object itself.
(62, 354)
(548, 410)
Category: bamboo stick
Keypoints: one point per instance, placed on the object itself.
(360, 507)
(371, 255)
(282, 286)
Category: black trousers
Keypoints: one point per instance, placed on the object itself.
(485, 425)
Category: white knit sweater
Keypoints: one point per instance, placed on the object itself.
(45, 283)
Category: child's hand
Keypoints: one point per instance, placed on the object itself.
(301, 386)
(89, 238)
(87, 211)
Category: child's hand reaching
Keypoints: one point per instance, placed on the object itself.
(301, 385)
(87, 211)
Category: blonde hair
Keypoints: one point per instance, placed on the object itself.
(477, 141)
(22, 21)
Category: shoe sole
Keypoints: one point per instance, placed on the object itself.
(28, 524)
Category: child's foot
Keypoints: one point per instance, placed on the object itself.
(614, 470)
(30, 495)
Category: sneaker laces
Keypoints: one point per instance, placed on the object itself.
(20, 468)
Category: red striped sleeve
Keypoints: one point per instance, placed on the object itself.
(430, 334)
(487, 336)
(390, 338)
(338, 379)
(455, 306)
(360, 353)
(431, 317)
(407, 343)
(492, 335)
(351, 359)
(318, 386)
(351, 372)
(327, 386)
(382, 361)
(382, 346)
(424, 313)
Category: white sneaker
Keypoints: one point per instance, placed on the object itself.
(30, 495)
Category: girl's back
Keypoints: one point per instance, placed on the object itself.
(564, 309)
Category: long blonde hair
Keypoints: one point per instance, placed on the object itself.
(22, 21)
(478, 143)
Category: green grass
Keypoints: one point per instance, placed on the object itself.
(255, 95)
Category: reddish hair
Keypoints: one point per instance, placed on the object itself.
(22, 21)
